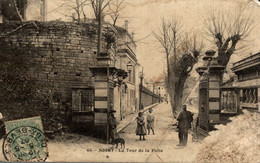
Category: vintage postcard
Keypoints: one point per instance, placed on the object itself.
(129, 81)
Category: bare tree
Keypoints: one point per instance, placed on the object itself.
(182, 52)
(95, 7)
(182, 64)
(165, 38)
(227, 30)
(115, 9)
(78, 7)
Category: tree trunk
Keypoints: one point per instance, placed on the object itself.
(178, 97)
(173, 105)
(78, 12)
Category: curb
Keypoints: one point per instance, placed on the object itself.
(144, 110)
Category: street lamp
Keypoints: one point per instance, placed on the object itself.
(129, 67)
(140, 89)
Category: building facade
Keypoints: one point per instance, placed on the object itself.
(127, 61)
(248, 75)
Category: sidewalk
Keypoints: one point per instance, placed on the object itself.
(130, 118)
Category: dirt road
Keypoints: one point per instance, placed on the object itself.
(160, 147)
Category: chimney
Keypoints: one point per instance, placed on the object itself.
(133, 34)
(126, 25)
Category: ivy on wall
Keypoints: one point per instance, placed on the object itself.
(21, 95)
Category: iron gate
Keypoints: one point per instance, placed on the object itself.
(229, 100)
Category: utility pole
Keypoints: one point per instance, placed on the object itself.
(159, 96)
(153, 95)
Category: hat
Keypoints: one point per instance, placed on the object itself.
(112, 111)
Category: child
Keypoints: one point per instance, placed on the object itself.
(140, 130)
(150, 122)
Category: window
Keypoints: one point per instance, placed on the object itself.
(249, 74)
(83, 100)
(134, 75)
(129, 76)
(87, 101)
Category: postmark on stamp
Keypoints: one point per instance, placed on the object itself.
(25, 141)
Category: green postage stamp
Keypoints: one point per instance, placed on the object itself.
(25, 140)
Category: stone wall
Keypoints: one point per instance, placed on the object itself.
(147, 97)
(62, 52)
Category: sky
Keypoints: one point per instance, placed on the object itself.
(145, 17)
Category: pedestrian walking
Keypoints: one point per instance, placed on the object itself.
(112, 126)
(141, 130)
(184, 124)
(150, 121)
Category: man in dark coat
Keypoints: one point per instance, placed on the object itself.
(184, 124)
(112, 126)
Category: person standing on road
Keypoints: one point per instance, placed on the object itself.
(112, 126)
(140, 130)
(150, 121)
(184, 124)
